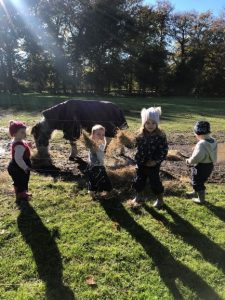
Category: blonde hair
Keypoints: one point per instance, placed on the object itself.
(97, 127)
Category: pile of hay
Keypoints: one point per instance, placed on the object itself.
(175, 155)
(122, 139)
(5, 185)
(4, 177)
(88, 142)
(122, 177)
(174, 188)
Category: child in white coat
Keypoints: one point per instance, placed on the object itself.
(203, 158)
(98, 180)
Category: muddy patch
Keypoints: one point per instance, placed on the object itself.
(121, 167)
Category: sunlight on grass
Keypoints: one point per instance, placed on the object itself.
(64, 238)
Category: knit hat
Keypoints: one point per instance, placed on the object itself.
(152, 113)
(14, 126)
(202, 127)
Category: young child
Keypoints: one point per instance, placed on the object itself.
(152, 149)
(203, 158)
(20, 165)
(98, 180)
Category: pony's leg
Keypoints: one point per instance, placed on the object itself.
(73, 153)
(43, 151)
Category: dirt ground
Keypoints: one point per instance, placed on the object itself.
(174, 168)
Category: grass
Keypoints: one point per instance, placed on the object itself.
(49, 249)
(179, 114)
(52, 247)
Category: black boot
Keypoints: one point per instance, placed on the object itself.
(136, 202)
(159, 202)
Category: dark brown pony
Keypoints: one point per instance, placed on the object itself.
(74, 115)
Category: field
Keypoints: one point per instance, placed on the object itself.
(66, 246)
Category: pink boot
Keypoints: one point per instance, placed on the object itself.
(29, 194)
(22, 196)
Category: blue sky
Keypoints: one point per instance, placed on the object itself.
(200, 5)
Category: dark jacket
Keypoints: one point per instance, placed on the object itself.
(151, 147)
(73, 115)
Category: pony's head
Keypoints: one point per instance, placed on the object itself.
(41, 134)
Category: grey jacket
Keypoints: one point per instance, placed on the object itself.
(205, 152)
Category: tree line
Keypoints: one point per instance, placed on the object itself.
(110, 47)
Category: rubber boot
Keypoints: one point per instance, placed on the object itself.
(21, 198)
(17, 195)
(201, 197)
(159, 202)
(136, 202)
(29, 194)
(191, 194)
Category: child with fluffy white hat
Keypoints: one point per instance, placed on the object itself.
(152, 149)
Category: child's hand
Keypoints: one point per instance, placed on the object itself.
(28, 170)
(151, 163)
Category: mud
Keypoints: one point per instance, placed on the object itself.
(174, 168)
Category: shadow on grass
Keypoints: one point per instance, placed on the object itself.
(169, 268)
(218, 211)
(57, 173)
(45, 252)
(210, 251)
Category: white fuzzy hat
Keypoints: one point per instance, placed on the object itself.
(151, 113)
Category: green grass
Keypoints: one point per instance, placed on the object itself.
(53, 246)
(179, 114)
(48, 250)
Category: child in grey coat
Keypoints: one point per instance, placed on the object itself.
(202, 160)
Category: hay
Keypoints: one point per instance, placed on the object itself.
(164, 175)
(122, 177)
(122, 138)
(4, 177)
(88, 142)
(185, 180)
(175, 155)
(174, 188)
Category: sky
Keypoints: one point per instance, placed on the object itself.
(215, 6)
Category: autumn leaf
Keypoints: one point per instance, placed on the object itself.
(90, 280)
